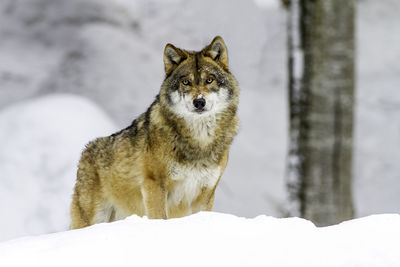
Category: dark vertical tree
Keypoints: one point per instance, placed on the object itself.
(321, 101)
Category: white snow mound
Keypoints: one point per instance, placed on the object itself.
(41, 144)
(213, 239)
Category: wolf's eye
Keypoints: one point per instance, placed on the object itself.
(209, 80)
(185, 82)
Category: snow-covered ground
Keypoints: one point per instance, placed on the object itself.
(110, 52)
(214, 239)
(41, 144)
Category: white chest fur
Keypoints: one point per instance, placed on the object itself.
(189, 181)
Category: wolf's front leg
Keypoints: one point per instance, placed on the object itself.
(155, 199)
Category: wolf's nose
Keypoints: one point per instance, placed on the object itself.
(199, 103)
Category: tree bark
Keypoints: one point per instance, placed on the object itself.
(321, 100)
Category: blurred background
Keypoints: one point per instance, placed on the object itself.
(74, 70)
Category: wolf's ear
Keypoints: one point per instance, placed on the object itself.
(217, 51)
(172, 58)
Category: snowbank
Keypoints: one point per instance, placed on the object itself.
(214, 239)
(41, 144)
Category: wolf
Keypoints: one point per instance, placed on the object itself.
(169, 161)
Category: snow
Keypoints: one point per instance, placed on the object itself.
(42, 140)
(377, 133)
(267, 3)
(214, 239)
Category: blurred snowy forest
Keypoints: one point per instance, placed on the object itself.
(73, 70)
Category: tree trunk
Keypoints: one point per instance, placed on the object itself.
(321, 100)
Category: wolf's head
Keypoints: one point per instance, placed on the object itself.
(198, 84)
